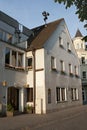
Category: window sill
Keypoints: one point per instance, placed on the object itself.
(63, 72)
(61, 46)
(7, 66)
(61, 101)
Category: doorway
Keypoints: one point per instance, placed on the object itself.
(13, 97)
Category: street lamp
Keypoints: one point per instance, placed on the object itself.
(45, 14)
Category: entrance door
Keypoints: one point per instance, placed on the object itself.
(13, 97)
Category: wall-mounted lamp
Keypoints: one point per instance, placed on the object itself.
(4, 83)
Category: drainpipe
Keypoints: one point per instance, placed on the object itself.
(34, 80)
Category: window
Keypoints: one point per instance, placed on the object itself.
(68, 47)
(7, 56)
(60, 94)
(74, 94)
(62, 66)
(14, 58)
(70, 69)
(49, 96)
(76, 71)
(53, 63)
(20, 59)
(5, 36)
(30, 63)
(29, 94)
(84, 74)
(83, 60)
(60, 41)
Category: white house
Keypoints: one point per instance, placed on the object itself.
(55, 76)
(38, 67)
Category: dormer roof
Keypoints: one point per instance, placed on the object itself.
(78, 34)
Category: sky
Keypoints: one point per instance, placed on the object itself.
(29, 13)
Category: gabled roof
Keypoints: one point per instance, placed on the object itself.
(78, 34)
(41, 34)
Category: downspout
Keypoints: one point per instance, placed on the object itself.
(34, 80)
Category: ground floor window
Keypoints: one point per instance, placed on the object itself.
(29, 94)
(60, 94)
(49, 96)
(74, 94)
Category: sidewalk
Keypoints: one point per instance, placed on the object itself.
(26, 121)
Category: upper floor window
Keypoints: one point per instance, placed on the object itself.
(84, 74)
(62, 66)
(7, 56)
(30, 63)
(68, 47)
(53, 62)
(76, 70)
(20, 59)
(70, 69)
(83, 60)
(5, 36)
(60, 41)
(14, 59)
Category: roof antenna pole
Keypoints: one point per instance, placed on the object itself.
(45, 14)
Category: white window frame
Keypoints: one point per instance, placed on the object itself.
(60, 41)
(53, 63)
(62, 65)
(60, 95)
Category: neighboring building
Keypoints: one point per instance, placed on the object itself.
(81, 49)
(13, 37)
(42, 71)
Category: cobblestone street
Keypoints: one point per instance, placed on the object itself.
(67, 119)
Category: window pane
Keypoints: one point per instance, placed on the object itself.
(58, 94)
(29, 94)
(20, 59)
(49, 95)
(14, 58)
(7, 56)
(30, 62)
(63, 94)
